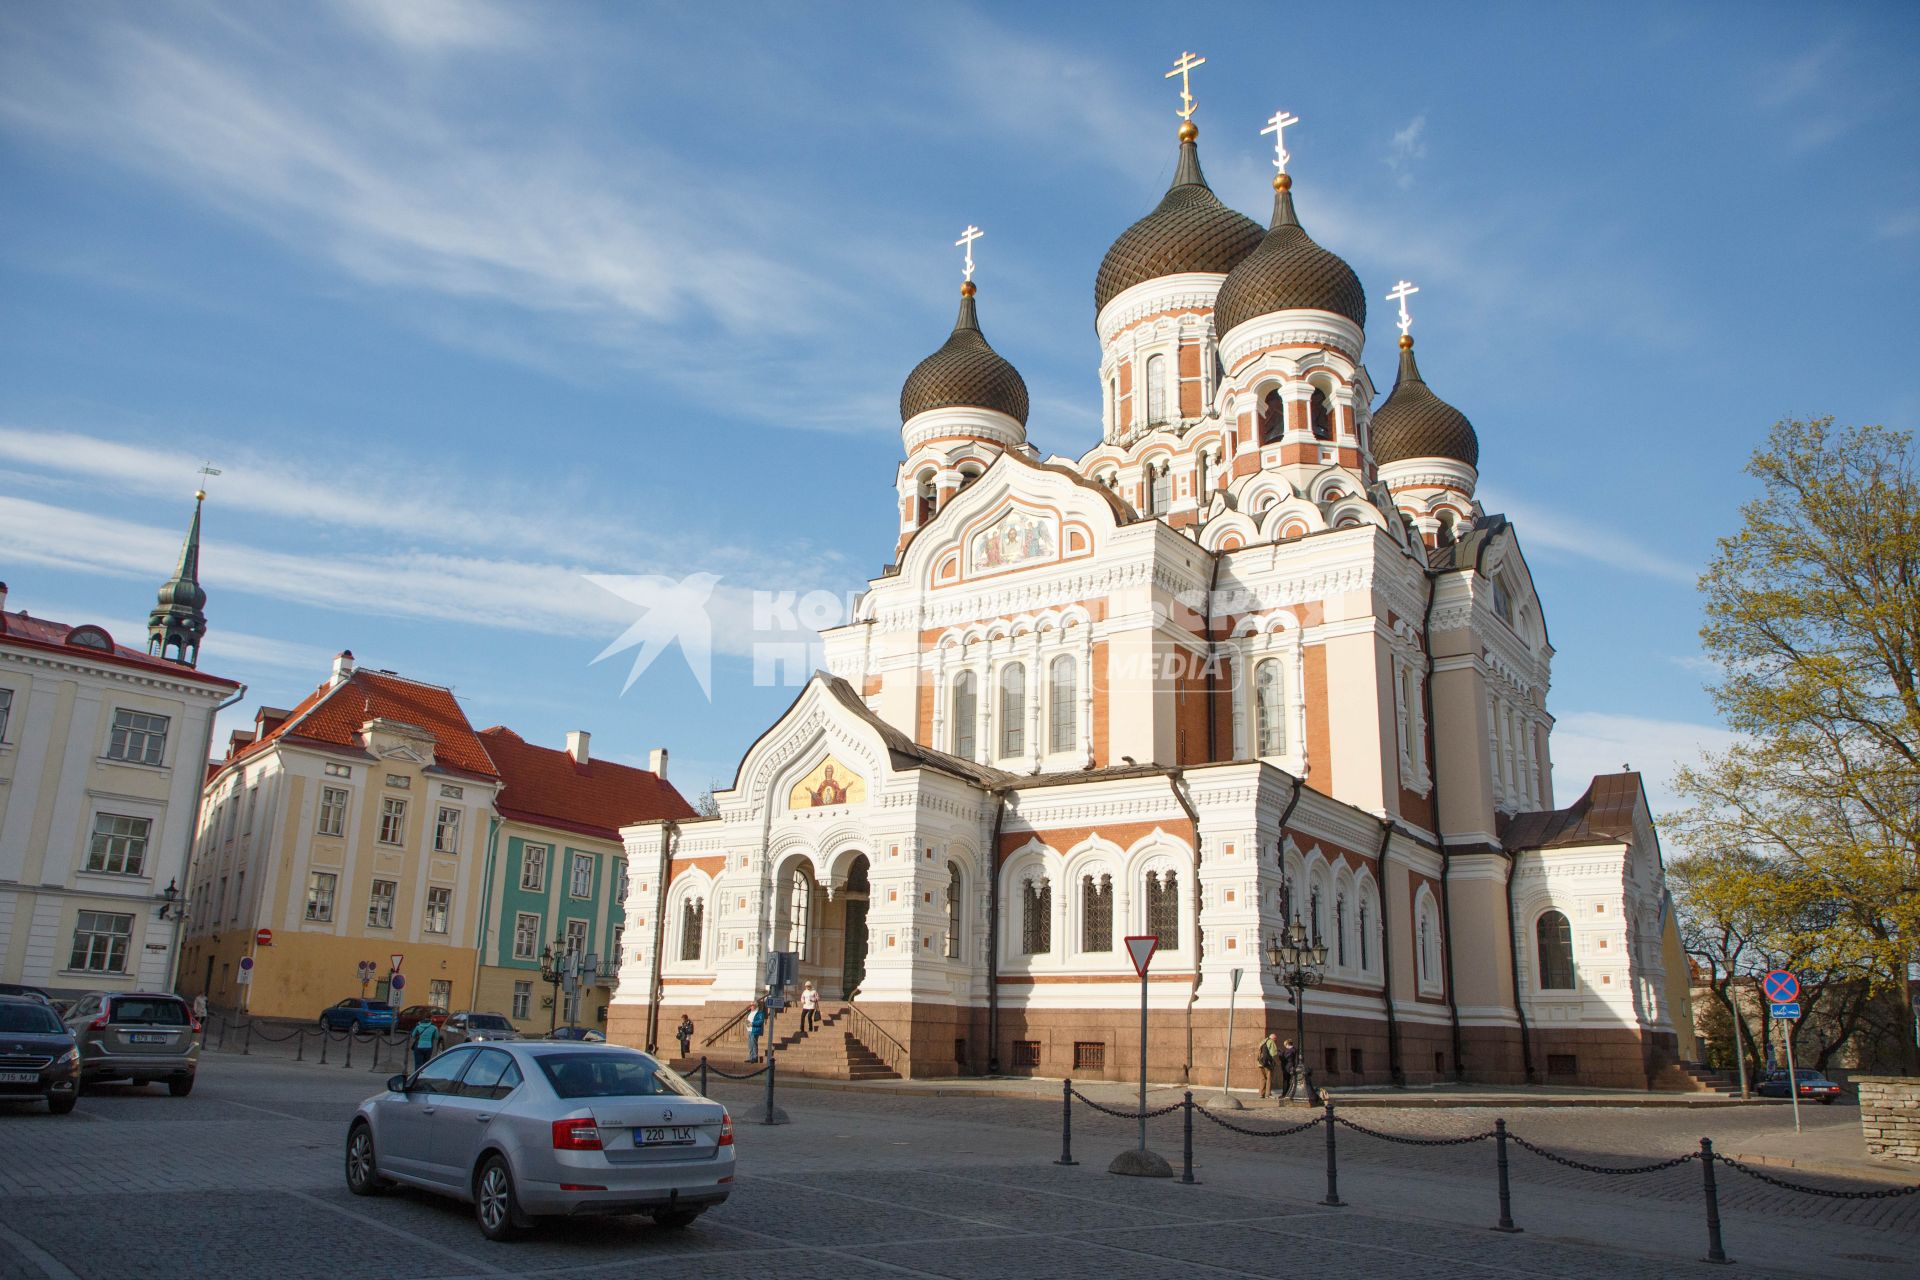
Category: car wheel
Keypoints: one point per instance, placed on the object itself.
(494, 1203)
(180, 1086)
(676, 1219)
(60, 1106)
(363, 1168)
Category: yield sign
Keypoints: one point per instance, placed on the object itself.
(395, 960)
(1140, 947)
(1781, 986)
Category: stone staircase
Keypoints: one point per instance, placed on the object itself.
(833, 1052)
(1710, 1080)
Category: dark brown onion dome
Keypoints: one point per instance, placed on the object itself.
(1190, 230)
(1415, 423)
(965, 372)
(1288, 272)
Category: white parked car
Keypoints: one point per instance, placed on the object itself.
(470, 1027)
(535, 1128)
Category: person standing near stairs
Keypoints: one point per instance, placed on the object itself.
(756, 1023)
(809, 1008)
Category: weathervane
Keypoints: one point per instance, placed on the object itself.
(207, 470)
(1182, 66)
(1399, 293)
(967, 238)
(1277, 125)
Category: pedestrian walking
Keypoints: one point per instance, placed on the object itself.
(756, 1023)
(1268, 1056)
(685, 1035)
(1289, 1068)
(809, 1008)
(200, 1008)
(425, 1039)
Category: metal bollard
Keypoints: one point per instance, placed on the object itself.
(325, 1039)
(1714, 1251)
(1500, 1162)
(300, 1047)
(248, 1046)
(1066, 1123)
(223, 1033)
(349, 1061)
(376, 1052)
(704, 1092)
(1186, 1141)
(769, 1085)
(1333, 1175)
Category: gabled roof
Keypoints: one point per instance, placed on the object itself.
(333, 715)
(1603, 815)
(549, 788)
(92, 643)
(904, 751)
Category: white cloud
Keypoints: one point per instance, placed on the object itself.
(435, 25)
(1407, 145)
(1898, 226)
(1586, 743)
(1571, 535)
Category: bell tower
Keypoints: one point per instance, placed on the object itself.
(179, 621)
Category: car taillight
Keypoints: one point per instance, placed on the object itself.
(576, 1135)
(100, 1023)
(726, 1130)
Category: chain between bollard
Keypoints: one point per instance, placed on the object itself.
(1332, 1200)
(1715, 1252)
(1888, 1194)
(1126, 1115)
(1500, 1163)
(1066, 1123)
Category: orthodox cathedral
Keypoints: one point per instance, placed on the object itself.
(1257, 657)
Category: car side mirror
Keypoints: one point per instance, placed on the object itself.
(397, 1084)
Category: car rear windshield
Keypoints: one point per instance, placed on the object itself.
(153, 1011)
(611, 1075)
(489, 1022)
(28, 1020)
(379, 1006)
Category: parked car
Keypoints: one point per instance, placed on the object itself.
(535, 1129)
(358, 1015)
(415, 1014)
(469, 1026)
(38, 1056)
(141, 1036)
(1813, 1086)
(31, 993)
(584, 1035)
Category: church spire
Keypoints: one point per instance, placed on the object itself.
(179, 621)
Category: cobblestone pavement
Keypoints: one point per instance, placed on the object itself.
(243, 1178)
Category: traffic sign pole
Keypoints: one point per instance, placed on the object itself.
(1141, 949)
(1793, 1077)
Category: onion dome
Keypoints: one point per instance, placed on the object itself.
(1415, 423)
(1288, 272)
(1190, 230)
(179, 622)
(966, 373)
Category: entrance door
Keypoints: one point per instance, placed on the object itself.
(854, 970)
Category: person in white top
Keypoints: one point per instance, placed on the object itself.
(809, 1008)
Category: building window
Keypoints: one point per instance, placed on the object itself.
(1026, 1054)
(610, 963)
(380, 905)
(440, 993)
(953, 911)
(1320, 414)
(100, 942)
(1063, 679)
(580, 879)
(220, 903)
(533, 868)
(320, 886)
(1096, 919)
(799, 912)
(439, 907)
(1163, 908)
(1089, 1055)
(1036, 917)
(1269, 709)
(446, 830)
(1113, 402)
(523, 1000)
(1429, 944)
(239, 892)
(1313, 914)
(926, 496)
(6, 711)
(393, 820)
(1553, 937)
(138, 737)
(1156, 389)
(619, 881)
(1161, 496)
(1200, 464)
(253, 804)
(966, 714)
(333, 811)
(693, 914)
(576, 937)
(119, 844)
(1013, 709)
(1340, 929)
(339, 770)
(526, 935)
(1365, 962)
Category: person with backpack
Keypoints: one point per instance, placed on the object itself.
(425, 1039)
(1268, 1056)
(684, 1033)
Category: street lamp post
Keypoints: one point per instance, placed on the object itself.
(1298, 963)
(553, 973)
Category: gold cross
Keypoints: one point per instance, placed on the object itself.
(1183, 65)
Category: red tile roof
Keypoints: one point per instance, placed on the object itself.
(547, 788)
(332, 716)
(45, 634)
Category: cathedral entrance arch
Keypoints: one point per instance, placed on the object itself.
(854, 898)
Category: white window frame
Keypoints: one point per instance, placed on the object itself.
(523, 1000)
(533, 867)
(526, 940)
(138, 737)
(108, 941)
(332, 820)
(578, 936)
(576, 863)
(6, 711)
(439, 908)
(128, 847)
(393, 820)
(380, 905)
(446, 830)
(322, 889)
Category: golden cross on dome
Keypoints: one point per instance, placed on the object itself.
(1400, 293)
(1277, 125)
(1182, 66)
(967, 238)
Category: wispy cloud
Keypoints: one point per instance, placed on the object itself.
(1585, 539)
(1900, 226)
(439, 24)
(1586, 743)
(1407, 145)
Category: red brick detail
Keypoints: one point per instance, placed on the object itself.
(1313, 661)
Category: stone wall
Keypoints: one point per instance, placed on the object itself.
(1890, 1117)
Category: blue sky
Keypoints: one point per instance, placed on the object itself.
(468, 301)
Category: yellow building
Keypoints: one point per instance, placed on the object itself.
(353, 828)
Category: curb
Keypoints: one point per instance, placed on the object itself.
(1831, 1168)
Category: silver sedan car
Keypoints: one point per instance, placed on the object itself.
(532, 1129)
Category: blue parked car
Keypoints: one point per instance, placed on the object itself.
(358, 1015)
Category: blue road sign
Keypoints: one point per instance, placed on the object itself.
(1781, 987)
(1786, 1009)
(246, 962)
(399, 982)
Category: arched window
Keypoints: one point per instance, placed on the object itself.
(1200, 464)
(1365, 962)
(966, 714)
(1096, 920)
(1270, 718)
(692, 915)
(1113, 401)
(1064, 705)
(1340, 929)
(953, 911)
(1426, 965)
(1273, 417)
(799, 912)
(1429, 944)
(1156, 389)
(1553, 936)
(1163, 909)
(1013, 709)
(1036, 917)
(1162, 491)
(1314, 930)
(926, 499)
(1320, 413)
